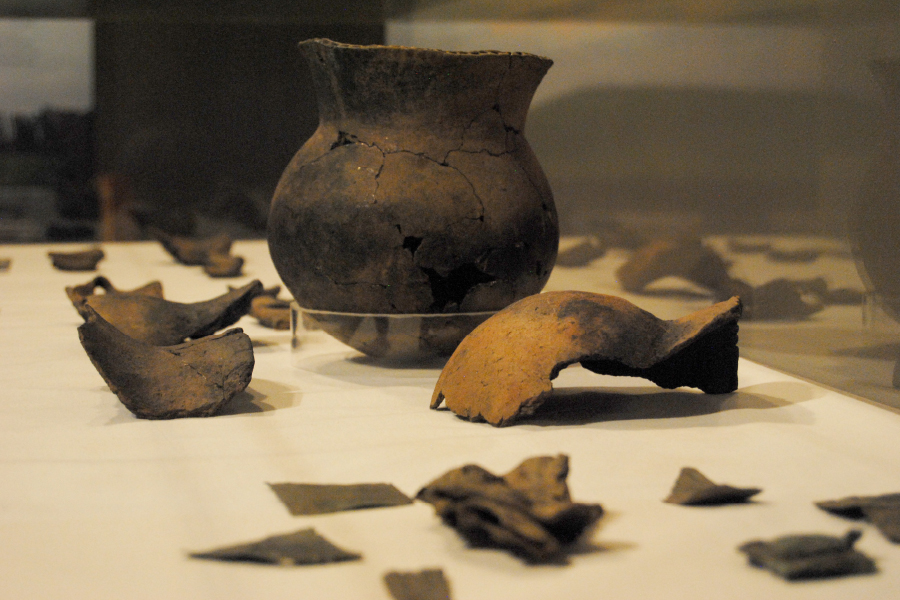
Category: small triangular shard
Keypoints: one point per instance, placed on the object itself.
(303, 547)
(693, 488)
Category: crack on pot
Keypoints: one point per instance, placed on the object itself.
(455, 286)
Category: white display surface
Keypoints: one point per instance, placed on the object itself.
(97, 504)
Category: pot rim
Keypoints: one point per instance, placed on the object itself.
(328, 43)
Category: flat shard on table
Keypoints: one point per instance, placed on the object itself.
(693, 488)
(503, 369)
(194, 379)
(85, 260)
(316, 499)
(528, 511)
(428, 584)
(810, 556)
(304, 547)
(163, 323)
(883, 511)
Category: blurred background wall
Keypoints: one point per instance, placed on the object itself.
(747, 116)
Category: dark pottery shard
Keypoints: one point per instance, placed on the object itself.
(223, 265)
(692, 488)
(528, 511)
(4, 264)
(810, 556)
(503, 370)
(687, 258)
(163, 323)
(883, 511)
(779, 299)
(802, 255)
(190, 251)
(77, 261)
(193, 379)
(418, 192)
(271, 312)
(748, 247)
(428, 584)
(581, 254)
(315, 499)
(79, 293)
(303, 547)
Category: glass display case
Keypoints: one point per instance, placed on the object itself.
(745, 137)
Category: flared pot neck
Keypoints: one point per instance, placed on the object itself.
(386, 85)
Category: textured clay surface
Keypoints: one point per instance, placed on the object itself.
(162, 323)
(418, 193)
(527, 511)
(193, 379)
(503, 370)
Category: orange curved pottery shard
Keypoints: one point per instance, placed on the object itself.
(504, 368)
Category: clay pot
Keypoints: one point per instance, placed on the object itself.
(418, 192)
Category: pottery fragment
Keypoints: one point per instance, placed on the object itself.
(693, 488)
(224, 265)
(191, 251)
(213, 253)
(582, 253)
(271, 312)
(528, 511)
(503, 370)
(79, 293)
(809, 556)
(883, 511)
(194, 379)
(76, 261)
(317, 499)
(428, 584)
(684, 257)
(163, 323)
(303, 547)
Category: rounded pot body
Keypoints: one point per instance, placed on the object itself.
(418, 192)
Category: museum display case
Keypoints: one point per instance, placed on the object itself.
(683, 153)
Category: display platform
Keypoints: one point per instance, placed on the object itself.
(97, 504)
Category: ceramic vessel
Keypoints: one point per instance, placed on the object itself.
(418, 192)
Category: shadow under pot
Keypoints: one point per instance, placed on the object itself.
(418, 192)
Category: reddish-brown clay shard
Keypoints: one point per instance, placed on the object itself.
(76, 261)
(193, 379)
(503, 370)
(79, 293)
(163, 323)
